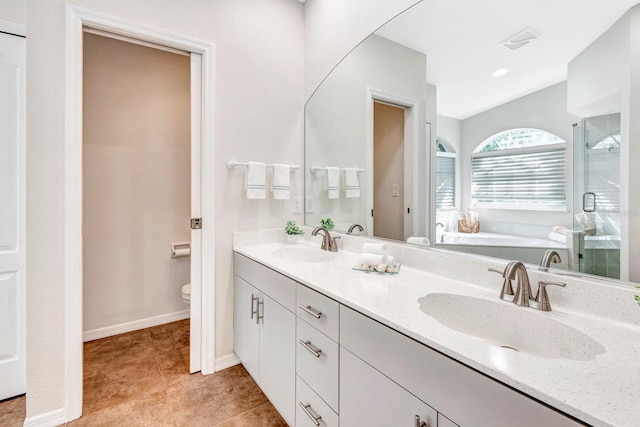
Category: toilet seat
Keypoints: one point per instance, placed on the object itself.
(186, 293)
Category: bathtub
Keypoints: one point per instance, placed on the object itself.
(525, 249)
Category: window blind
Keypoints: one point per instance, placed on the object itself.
(445, 182)
(531, 177)
(603, 178)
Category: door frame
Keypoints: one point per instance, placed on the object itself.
(411, 156)
(76, 18)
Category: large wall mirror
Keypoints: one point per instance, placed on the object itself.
(503, 128)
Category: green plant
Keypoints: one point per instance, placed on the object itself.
(637, 297)
(292, 229)
(327, 223)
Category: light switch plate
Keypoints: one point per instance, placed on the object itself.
(296, 207)
(395, 190)
(308, 206)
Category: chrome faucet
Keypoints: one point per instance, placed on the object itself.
(328, 243)
(515, 270)
(550, 256)
(442, 235)
(354, 226)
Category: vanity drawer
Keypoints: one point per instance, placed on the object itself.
(309, 406)
(319, 311)
(272, 283)
(445, 422)
(319, 369)
(465, 396)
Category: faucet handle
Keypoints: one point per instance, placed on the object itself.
(542, 298)
(506, 293)
(334, 243)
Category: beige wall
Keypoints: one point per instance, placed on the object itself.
(14, 11)
(136, 181)
(259, 98)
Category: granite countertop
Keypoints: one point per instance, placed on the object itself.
(604, 391)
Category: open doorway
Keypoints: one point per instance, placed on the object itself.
(388, 171)
(202, 171)
(136, 185)
(393, 146)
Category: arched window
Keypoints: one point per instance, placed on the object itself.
(445, 176)
(520, 169)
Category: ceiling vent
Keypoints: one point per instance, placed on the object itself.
(521, 38)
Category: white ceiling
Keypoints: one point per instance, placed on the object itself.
(461, 39)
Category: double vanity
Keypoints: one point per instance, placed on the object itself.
(431, 346)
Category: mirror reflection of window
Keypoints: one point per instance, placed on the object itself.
(445, 177)
(520, 169)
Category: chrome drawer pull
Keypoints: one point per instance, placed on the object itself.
(418, 423)
(307, 410)
(307, 344)
(258, 317)
(253, 298)
(310, 310)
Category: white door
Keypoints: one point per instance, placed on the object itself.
(195, 334)
(12, 216)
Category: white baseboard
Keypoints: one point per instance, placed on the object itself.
(49, 419)
(227, 361)
(121, 328)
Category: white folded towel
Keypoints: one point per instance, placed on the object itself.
(422, 241)
(560, 229)
(351, 185)
(373, 260)
(256, 180)
(374, 248)
(557, 237)
(281, 182)
(333, 182)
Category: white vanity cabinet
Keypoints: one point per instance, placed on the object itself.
(368, 398)
(265, 331)
(462, 395)
(324, 364)
(317, 359)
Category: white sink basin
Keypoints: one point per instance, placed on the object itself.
(511, 327)
(302, 254)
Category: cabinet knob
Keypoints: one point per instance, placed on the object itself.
(307, 410)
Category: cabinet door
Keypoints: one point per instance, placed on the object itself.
(277, 356)
(368, 398)
(246, 331)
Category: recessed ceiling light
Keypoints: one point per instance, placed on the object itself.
(499, 73)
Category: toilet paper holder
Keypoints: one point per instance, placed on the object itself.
(180, 249)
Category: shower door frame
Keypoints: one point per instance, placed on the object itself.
(76, 18)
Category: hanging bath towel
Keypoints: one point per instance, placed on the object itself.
(351, 184)
(256, 180)
(333, 182)
(281, 182)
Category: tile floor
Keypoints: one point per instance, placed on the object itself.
(142, 378)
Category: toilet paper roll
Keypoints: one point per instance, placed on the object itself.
(175, 253)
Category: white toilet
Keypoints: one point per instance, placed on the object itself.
(186, 293)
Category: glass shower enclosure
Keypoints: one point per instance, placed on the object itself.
(596, 234)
